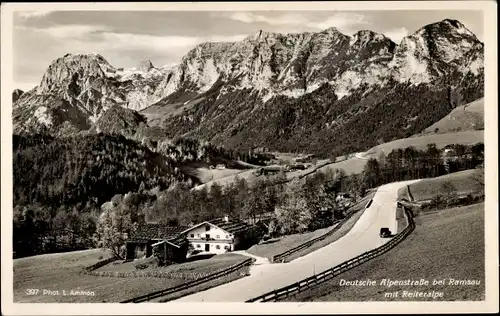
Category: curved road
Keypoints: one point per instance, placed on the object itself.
(363, 236)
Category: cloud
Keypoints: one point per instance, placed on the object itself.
(102, 38)
(66, 31)
(284, 19)
(396, 35)
(245, 17)
(340, 21)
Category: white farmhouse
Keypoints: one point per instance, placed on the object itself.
(218, 236)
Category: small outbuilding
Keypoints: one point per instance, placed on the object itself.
(148, 236)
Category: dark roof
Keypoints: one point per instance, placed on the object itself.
(178, 240)
(232, 226)
(149, 231)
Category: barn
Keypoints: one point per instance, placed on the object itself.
(147, 236)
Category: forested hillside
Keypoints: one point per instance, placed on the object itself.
(319, 122)
(82, 169)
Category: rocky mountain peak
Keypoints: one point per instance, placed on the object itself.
(452, 30)
(332, 30)
(448, 25)
(262, 36)
(364, 38)
(428, 52)
(81, 58)
(85, 69)
(145, 65)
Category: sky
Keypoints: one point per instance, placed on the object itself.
(126, 37)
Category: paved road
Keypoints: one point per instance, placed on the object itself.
(363, 237)
(258, 260)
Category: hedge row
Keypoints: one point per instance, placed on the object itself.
(153, 274)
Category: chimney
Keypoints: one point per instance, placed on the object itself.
(226, 218)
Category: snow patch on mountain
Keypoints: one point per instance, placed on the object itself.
(209, 75)
(410, 61)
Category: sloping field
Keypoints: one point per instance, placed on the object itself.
(62, 272)
(428, 188)
(420, 142)
(356, 163)
(206, 175)
(247, 175)
(351, 165)
(156, 114)
(462, 118)
(285, 243)
(447, 245)
(199, 267)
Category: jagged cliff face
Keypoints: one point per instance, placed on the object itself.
(90, 79)
(295, 64)
(238, 84)
(86, 86)
(291, 64)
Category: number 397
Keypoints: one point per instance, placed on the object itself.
(32, 291)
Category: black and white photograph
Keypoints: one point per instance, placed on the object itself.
(261, 153)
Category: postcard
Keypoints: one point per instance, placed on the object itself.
(207, 158)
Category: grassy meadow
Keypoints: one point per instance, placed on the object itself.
(63, 272)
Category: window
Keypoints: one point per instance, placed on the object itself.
(226, 247)
(198, 235)
(218, 236)
(198, 246)
(218, 247)
(227, 236)
(207, 228)
(192, 235)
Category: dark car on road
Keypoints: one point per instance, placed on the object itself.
(385, 232)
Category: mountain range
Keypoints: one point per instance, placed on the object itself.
(326, 93)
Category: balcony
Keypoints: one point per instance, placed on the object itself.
(211, 239)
